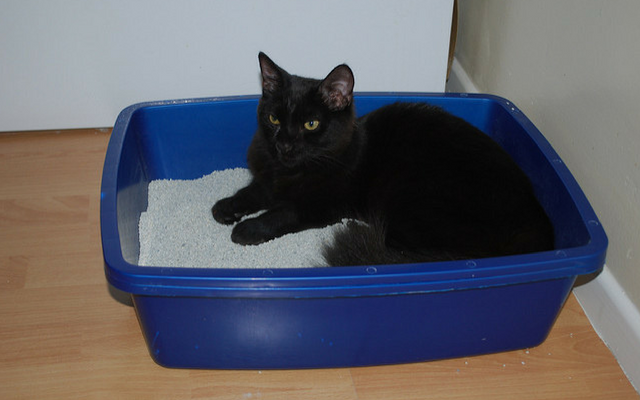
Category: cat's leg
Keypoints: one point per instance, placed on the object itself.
(246, 201)
(269, 225)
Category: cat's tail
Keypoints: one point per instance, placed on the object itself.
(359, 243)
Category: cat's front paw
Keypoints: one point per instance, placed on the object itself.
(250, 232)
(225, 212)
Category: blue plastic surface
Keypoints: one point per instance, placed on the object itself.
(332, 317)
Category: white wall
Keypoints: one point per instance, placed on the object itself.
(573, 67)
(68, 64)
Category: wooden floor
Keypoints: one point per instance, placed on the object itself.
(64, 336)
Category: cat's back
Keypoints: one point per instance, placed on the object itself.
(440, 181)
(422, 136)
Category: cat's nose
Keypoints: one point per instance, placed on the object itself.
(284, 148)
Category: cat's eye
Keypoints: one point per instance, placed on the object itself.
(311, 125)
(273, 119)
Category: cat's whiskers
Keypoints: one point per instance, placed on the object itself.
(325, 160)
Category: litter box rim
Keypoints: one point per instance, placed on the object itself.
(347, 281)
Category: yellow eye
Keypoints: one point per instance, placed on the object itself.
(311, 125)
(273, 119)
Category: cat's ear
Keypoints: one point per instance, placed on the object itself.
(272, 78)
(337, 88)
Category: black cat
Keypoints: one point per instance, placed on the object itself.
(428, 184)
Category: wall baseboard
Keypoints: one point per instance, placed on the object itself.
(459, 80)
(615, 319)
(611, 313)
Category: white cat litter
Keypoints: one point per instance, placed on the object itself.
(178, 229)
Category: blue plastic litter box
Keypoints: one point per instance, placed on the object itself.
(333, 317)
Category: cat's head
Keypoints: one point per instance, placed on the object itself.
(305, 121)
